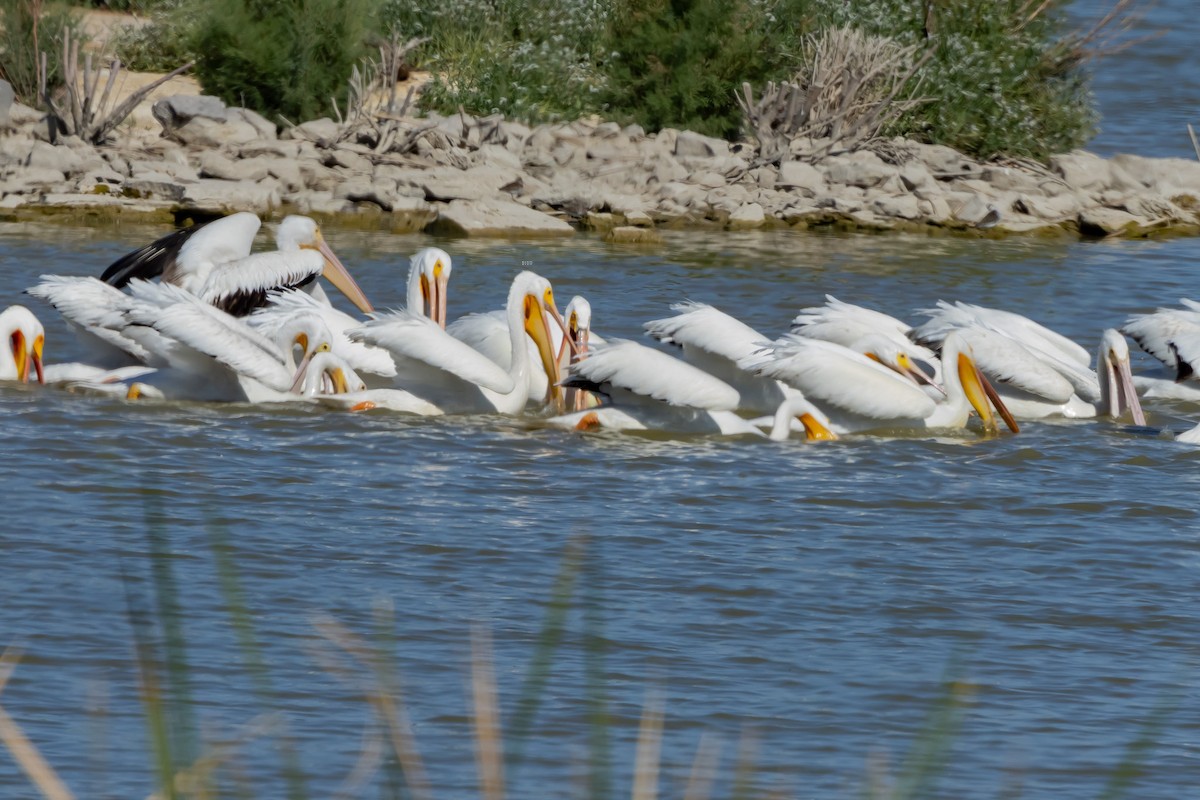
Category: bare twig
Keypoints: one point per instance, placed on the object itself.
(649, 748)
(489, 753)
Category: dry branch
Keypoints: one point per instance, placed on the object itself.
(82, 113)
(847, 93)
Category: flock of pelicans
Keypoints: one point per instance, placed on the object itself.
(222, 324)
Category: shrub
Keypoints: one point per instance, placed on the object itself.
(528, 60)
(679, 63)
(1002, 79)
(165, 42)
(281, 57)
(27, 27)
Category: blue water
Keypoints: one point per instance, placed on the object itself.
(803, 604)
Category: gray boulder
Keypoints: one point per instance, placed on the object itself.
(491, 217)
(176, 111)
(695, 145)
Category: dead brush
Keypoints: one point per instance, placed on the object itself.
(851, 87)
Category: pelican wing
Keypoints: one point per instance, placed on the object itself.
(1157, 334)
(281, 308)
(706, 328)
(846, 323)
(486, 333)
(828, 373)
(652, 373)
(239, 287)
(1007, 361)
(187, 320)
(1186, 345)
(419, 338)
(95, 309)
(1032, 335)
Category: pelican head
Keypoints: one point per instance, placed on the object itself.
(579, 325)
(309, 332)
(816, 424)
(328, 373)
(977, 389)
(301, 233)
(534, 297)
(900, 358)
(1116, 387)
(428, 281)
(24, 338)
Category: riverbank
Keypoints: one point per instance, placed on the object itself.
(468, 176)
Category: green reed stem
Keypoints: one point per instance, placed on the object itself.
(600, 772)
(549, 639)
(243, 626)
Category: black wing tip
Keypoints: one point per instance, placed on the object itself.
(150, 261)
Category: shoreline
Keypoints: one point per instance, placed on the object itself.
(467, 176)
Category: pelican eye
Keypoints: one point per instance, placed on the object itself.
(903, 361)
(324, 348)
(437, 268)
(549, 296)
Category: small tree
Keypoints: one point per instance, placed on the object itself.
(679, 63)
(282, 57)
(27, 29)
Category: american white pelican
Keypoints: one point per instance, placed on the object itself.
(435, 366)
(207, 354)
(573, 347)
(861, 328)
(1038, 372)
(860, 394)
(427, 286)
(717, 343)
(1172, 335)
(23, 338)
(487, 332)
(651, 390)
(214, 262)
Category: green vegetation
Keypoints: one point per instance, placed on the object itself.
(998, 77)
(28, 27)
(281, 57)
(166, 42)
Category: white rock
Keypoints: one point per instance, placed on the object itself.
(206, 132)
(1082, 170)
(474, 184)
(749, 215)
(692, 144)
(1108, 221)
(266, 129)
(316, 130)
(227, 197)
(801, 175)
(863, 169)
(492, 217)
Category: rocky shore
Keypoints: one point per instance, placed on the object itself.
(470, 176)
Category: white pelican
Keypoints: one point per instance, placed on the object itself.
(717, 343)
(652, 390)
(428, 279)
(23, 338)
(1172, 335)
(435, 366)
(207, 354)
(573, 347)
(214, 261)
(1038, 372)
(860, 394)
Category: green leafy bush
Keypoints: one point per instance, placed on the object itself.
(528, 60)
(281, 57)
(163, 44)
(1002, 79)
(677, 63)
(27, 27)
